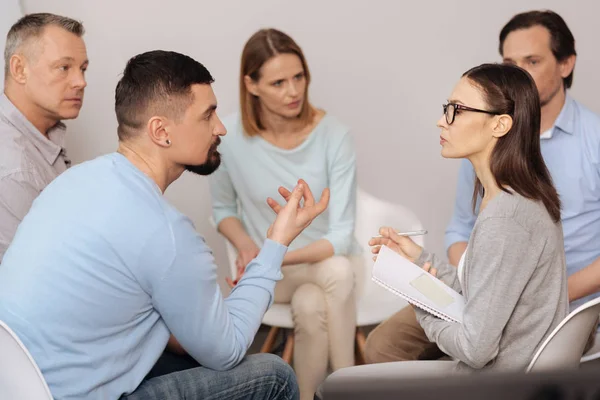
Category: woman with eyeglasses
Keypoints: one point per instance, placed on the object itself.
(513, 273)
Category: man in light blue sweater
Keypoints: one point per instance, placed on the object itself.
(103, 272)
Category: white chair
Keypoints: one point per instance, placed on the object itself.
(593, 353)
(561, 350)
(564, 347)
(374, 304)
(20, 378)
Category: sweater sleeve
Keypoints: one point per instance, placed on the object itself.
(342, 205)
(215, 331)
(445, 272)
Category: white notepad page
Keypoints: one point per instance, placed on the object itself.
(409, 281)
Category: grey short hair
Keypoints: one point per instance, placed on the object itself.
(32, 26)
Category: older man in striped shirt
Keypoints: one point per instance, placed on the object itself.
(45, 63)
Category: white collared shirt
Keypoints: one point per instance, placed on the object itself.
(547, 134)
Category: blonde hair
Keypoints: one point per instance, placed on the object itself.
(261, 47)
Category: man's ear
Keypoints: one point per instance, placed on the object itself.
(18, 68)
(158, 131)
(567, 65)
(502, 125)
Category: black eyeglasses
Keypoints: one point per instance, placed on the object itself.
(450, 110)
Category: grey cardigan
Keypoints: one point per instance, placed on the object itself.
(514, 284)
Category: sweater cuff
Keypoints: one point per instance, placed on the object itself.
(424, 258)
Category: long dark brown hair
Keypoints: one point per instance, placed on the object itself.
(516, 161)
(260, 48)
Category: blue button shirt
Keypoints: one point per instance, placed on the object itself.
(572, 154)
(101, 271)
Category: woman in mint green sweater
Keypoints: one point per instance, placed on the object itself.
(277, 138)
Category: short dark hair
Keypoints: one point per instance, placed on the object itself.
(562, 41)
(159, 82)
(516, 159)
(31, 26)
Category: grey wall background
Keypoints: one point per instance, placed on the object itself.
(383, 67)
(10, 11)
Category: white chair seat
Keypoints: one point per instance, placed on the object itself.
(279, 315)
(560, 351)
(378, 307)
(374, 303)
(20, 377)
(594, 352)
(563, 348)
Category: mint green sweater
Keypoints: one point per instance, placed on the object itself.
(252, 169)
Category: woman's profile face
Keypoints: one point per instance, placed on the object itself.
(469, 133)
(281, 86)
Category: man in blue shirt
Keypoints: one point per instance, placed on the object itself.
(541, 43)
(103, 272)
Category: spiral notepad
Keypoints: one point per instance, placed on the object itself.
(409, 281)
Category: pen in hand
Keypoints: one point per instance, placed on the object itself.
(409, 233)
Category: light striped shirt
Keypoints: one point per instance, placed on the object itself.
(28, 163)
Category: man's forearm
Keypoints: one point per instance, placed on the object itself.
(455, 252)
(585, 282)
(312, 253)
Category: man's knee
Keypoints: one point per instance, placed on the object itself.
(377, 347)
(400, 338)
(269, 365)
(309, 309)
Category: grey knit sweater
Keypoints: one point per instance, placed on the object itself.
(514, 284)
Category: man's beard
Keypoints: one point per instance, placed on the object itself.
(213, 160)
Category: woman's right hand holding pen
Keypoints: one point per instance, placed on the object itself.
(402, 245)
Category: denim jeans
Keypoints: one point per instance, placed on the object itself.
(258, 376)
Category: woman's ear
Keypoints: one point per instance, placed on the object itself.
(502, 125)
(251, 85)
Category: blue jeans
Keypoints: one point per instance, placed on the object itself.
(258, 376)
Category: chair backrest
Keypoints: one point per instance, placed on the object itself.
(564, 347)
(231, 252)
(20, 378)
(373, 213)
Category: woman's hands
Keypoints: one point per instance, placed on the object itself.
(402, 245)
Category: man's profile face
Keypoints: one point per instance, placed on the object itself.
(196, 137)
